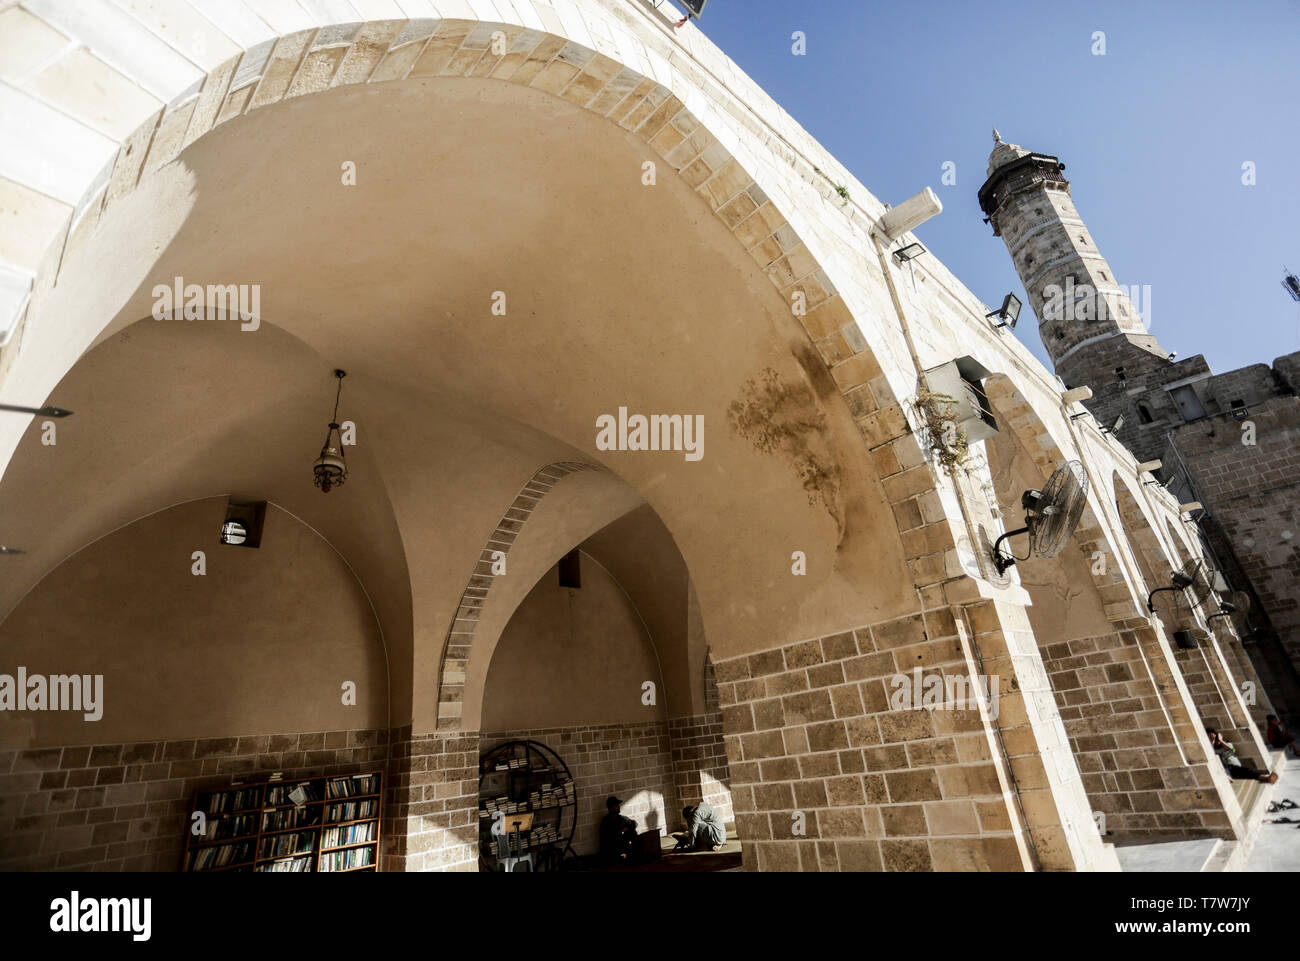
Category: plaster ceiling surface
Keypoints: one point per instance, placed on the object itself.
(617, 295)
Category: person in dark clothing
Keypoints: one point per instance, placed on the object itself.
(1232, 764)
(704, 829)
(1279, 737)
(617, 833)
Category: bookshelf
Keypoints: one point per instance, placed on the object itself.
(522, 777)
(326, 824)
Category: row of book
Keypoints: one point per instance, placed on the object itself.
(350, 810)
(278, 819)
(287, 865)
(222, 828)
(510, 764)
(238, 800)
(297, 793)
(349, 834)
(552, 794)
(348, 859)
(536, 838)
(504, 804)
(218, 856)
(279, 845)
(355, 786)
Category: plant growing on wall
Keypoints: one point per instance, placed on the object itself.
(843, 191)
(946, 440)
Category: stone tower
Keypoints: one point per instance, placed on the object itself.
(1088, 323)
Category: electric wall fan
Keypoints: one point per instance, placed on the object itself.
(1051, 515)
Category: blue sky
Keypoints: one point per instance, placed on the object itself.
(1153, 134)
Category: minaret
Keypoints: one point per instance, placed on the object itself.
(1088, 323)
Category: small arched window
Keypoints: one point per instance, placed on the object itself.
(1144, 413)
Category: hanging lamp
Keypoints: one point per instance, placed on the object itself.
(331, 469)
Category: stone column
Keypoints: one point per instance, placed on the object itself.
(700, 770)
(431, 822)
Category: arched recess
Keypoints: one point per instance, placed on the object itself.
(169, 414)
(1214, 685)
(1096, 536)
(569, 671)
(1123, 709)
(568, 666)
(189, 667)
(209, 649)
(1181, 702)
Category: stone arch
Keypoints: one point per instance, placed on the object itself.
(1210, 669)
(1095, 537)
(1185, 688)
(590, 63)
(460, 635)
(585, 55)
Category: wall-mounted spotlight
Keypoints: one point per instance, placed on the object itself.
(1179, 581)
(10, 550)
(1114, 428)
(1008, 313)
(38, 411)
(908, 215)
(910, 252)
(694, 8)
(1075, 394)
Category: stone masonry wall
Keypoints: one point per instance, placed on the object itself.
(699, 758)
(1253, 491)
(1208, 685)
(125, 807)
(1124, 744)
(700, 755)
(809, 729)
(631, 761)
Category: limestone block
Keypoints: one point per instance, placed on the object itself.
(26, 42)
(185, 30)
(45, 150)
(125, 44)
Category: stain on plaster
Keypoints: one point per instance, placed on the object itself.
(784, 418)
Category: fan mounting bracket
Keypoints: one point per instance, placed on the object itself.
(1004, 559)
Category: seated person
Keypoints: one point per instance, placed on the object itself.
(1279, 737)
(1232, 764)
(617, 833)
(704, 829)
